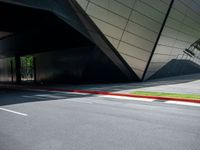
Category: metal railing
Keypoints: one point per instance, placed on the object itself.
(192, 53)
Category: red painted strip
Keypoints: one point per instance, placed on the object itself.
(136, 96)
(157, 98)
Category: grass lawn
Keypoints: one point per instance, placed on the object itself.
(171, 95)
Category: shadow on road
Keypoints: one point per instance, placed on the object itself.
(12, 96)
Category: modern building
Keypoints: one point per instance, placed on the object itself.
(96, 41)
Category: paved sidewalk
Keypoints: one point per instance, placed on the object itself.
(188, 84)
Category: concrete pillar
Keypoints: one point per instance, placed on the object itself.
(18, 69)
(34, 69)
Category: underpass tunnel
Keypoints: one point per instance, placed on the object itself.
(66, 46)
(28, 32)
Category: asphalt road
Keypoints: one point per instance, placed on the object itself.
(32, 120)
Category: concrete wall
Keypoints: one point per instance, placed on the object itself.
(78, 65)
(130, 30)
(5, 70)
(132, 26)
(181, 30)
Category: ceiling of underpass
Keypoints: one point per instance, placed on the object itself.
(24, 30)
(33, 27)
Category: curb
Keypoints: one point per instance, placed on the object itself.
(157, 98)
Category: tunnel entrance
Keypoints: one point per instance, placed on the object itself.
(67, 45)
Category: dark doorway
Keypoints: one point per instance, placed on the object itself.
(27, 69)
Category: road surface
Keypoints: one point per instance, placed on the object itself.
(41, 120)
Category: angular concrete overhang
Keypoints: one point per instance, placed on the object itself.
(41, 26)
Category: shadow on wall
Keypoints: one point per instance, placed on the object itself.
(177, 68)
(132, 86)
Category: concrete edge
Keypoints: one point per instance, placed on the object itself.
(138, 96)
(157, 98)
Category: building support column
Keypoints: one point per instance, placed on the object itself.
(18, 69)
(34, 70)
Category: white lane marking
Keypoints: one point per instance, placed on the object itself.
(129, 98)
(106, 102)
(12, 111)
(47, 96)
(34, 97)
(183, 103)
(77, 101)
(63, 92)
(55, 91)
(77, 93)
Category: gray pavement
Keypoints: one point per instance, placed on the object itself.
(67, 121)
(188, 84)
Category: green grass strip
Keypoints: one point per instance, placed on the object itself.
(170, 95)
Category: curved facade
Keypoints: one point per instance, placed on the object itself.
(95, 41)
(150, 34)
